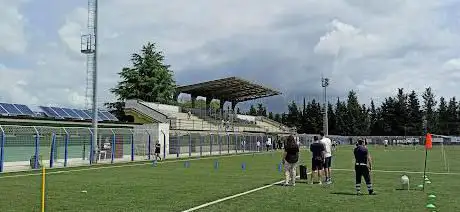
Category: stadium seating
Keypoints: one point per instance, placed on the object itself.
(20, 110)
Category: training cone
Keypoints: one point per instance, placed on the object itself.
(187, 164)
(432, 196)
(216, 164)
(243, 166)
(280, 167)
(430, 206)
(420, 186)
(426, 179)
(154, 163)
(428, 182)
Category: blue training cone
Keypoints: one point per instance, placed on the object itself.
(154, 163)
(216, 164)
(280, 167)
(243, 166)
(187, 164)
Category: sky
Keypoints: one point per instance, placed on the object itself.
(372, 47)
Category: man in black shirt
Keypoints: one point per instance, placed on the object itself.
(317, 149)
(363, 167)
(157, 150)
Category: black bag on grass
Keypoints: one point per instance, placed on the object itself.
(303, 172)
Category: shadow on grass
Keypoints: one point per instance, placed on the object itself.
(344, 193)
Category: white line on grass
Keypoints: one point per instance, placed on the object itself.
(268, 186)
(231, 197)
(402, 171)
(123, 165)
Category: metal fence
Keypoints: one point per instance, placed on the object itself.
(30, 147)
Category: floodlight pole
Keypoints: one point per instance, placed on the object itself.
(324, 84)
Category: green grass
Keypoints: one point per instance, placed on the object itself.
(171, 187)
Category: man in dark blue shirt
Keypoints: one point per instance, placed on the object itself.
(317, 150)
(363, 167)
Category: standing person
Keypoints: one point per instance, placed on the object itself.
(317, 161)
(258, 146)
(363, 167)
(290, 159)
(385, 143)
(268, 144)
(157, 150)
(328, 157)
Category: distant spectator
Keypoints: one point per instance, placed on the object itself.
(268, 144)
(258, 145)
(189, 114)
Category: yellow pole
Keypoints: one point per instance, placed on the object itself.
(43, 188)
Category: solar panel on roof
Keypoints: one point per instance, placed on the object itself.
(61, 112)
(50, 112)
(109, 115)
(11, 109)
(24, 109)
(71, 113)
(3, 111)
(82, 114)
(99, 118)
(103, 117)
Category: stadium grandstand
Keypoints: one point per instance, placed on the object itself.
(61, 136)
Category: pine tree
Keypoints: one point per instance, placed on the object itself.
(452, 111)
(429, 104)
(270, 115)
(341, 117)
(354, 113)
(415, 123)
(332, 121)
(443, 117)
(252, 111)
(401, 114)
(292, 118)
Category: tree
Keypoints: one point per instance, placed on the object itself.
(443, 117)
(293, 115)
(341, 117)
(374, 120)
(452, 117)
(401, 114)
(429, 104)
(261, 110)
(238, 111)
(415, 115)
(354, 113)
(331, 120)
(252, 111)
(277, 118)
(270, 115)
(148, 79)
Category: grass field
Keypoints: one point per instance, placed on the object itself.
(172, 187)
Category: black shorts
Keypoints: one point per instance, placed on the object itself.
(327, 162)
(157, 151)
(316, 164)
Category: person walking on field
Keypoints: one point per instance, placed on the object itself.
(327, 157)
(290, 159)
(363, 167)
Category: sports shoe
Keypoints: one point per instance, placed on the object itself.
(371, 192)
(320, 183)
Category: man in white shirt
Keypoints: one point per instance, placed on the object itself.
(258, 146)
(328, 156)
(269, 144)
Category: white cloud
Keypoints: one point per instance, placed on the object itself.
(371, 46)
(12, 36)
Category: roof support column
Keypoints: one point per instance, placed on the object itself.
(193, 101)
(234, 103)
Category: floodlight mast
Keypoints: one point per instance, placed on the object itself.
(324, 84)
(88, 47)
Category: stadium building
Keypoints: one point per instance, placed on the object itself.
(61, 137)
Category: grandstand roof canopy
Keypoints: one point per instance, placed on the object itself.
(229, 89)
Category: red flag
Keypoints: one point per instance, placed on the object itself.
(428, 141)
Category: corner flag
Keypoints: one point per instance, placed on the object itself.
(428, 145)
(428, 141)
